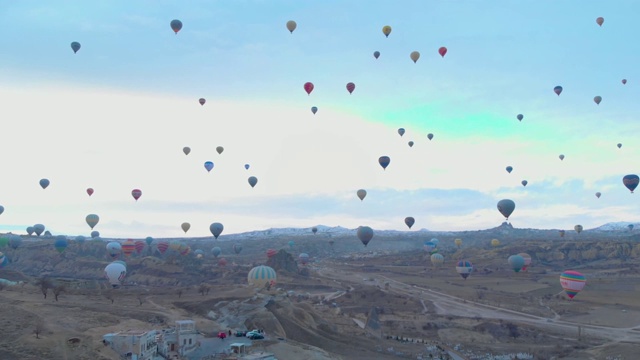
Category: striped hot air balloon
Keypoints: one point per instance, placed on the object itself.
(128, 247)
(139, 245)
(261, 275)
(271, 253)
(162, 246)
(572, 282)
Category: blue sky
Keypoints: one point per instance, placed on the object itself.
(116, 115)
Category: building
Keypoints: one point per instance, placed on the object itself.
(133, 344)
(182, 339)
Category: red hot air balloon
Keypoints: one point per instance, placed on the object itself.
(128, 247)
(139, 246)
(308, 87)
(90, 191)
(271, 253)
(350, 87)
(162, 246)
(442, 51)
(136, 193)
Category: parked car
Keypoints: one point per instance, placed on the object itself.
(255, 335)
(222, 335)
(241, 333)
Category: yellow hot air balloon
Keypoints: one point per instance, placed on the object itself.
(185, 227)
(386, 30)
(458, 242)
(415, 56)
(291, 25)
(495, 242)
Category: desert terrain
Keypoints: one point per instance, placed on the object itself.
(383, 301)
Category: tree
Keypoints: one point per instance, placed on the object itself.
(513, 330)
(58, 289)
(109, 295)
(45, 284)
(179, 292)
(203, 288)
(38, 329)
(140, 298)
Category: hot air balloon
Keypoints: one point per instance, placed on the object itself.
(80, 239)
(136, 193)
(386, 30)
(516, 262)
(75, 46)
(186, 150)
(3, 260)
(219, 149)
(376, 54)
(176, 25)
(314, 110)
(630, 226)
(308, 87)
(506, 207)
(208, 165)
(216, 251)
(30, 230)
(291, 25)
(527, 260)
(38, 229)
(557, 90)
(271, 253)
(139, 246)
(14, 241)
(600, 21)
(561, 157)
(572, 282)
(362, 193)
(128, 247)
(509, 169)
(561, 233)
(216, 229)
(95, 234)
(222, 262)
(202, 101)
(430, 136)
(410, 143)
(185, 227)
(619, 145)
(495, 242)
(4, 241)
(304, 258)
(252, 181)
(261, 276)
(598, 194)
(409, 221)
(237, 248)
(458, 242)
(597, 100)
(246, 166)
(524, 182)
(624, 81)
(464, 268)
(89, 191)
(148, 240)
(92, 220)
(365, 234)
(61, 243)
(115, 274)
(114, 249)
(442, 51)
(436, 259)
(314, 230)
(520, 117)
(435, 241)
(429, 247)
(1, 209)
(44, 183)
(630, 181)
(578, 228)
(350, 87)
(384, 161)
(401, 131)
(199, 253)
(414, 56)
(162, 247)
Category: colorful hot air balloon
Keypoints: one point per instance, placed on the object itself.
(291, 26)
(361, 193)
(401, 131)
(598, 194)
(186, 150)
(527, 260)
(631, 181)
(216, 229)
(114, 249)
(314, 110)
(136, 193)
(61, 243)
(308, 87)
(384, 161)
(409, 221)
(597, 100)
(464, 268)
(506, 207)
(202, 101)
(44, 183)
(376, 54)
(520, 117)
(219, 149)
(458, 243)
(509, 169)
(75, 46)
(524, 182)
(600, 21)
(516, 262)
(430, 136)
(252, 181)
(304, 258)
(90, 191)
(495, 242)
(365, 234)
(572, 282)
(185, 227)
(92, 220)
(578, 228)
(139, 246)
(176, 25)
(115, 274)
(436, 259)
(557, 90)
(415, 55)
(442, 51)
(386, 30)
(162, 247)
(208, 165)
(128, 247)
(271, 253)
(429, 247)
(261, 276)
(350, 87)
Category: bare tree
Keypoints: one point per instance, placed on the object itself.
(58, 289)
(45, 284)
(140, 298)
(38, 329)
(179, 292)
(203, 288)
(109, 295)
